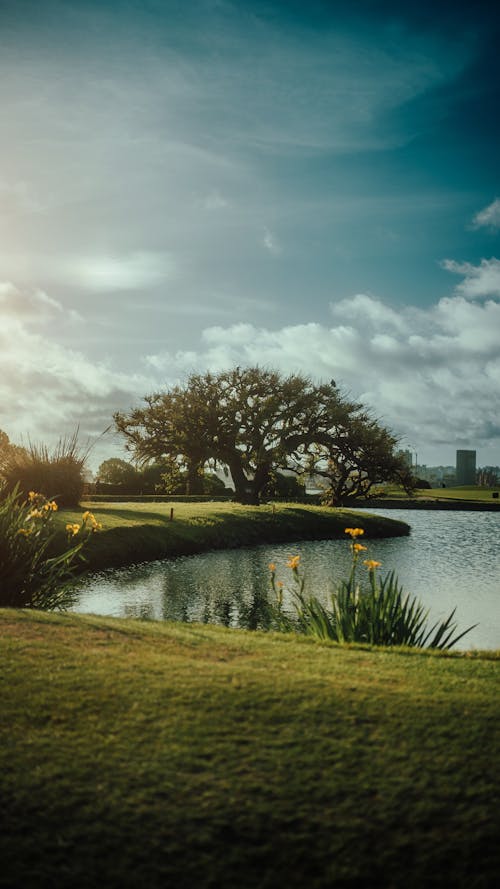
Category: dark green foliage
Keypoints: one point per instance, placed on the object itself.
(34, 573)
(381, 614)
(57, 474)
(214, 485)
(119, 473)
(254, 422)
(285, 487)
(421, 484)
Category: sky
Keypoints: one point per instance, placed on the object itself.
(194, 185)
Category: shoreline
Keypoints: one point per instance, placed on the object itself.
(462, 505)
(131, 535)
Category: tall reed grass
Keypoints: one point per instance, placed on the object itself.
(56, 473)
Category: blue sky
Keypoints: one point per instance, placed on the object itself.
(191, 185)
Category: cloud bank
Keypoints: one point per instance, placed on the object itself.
(432, 374)
(47, 390)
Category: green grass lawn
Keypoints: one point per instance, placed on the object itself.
(466, 492)
(136, 532)
(161, 755)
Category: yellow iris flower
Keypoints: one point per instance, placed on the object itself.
(354, 532)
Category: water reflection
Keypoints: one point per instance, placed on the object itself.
(225, 588)
(450, 559)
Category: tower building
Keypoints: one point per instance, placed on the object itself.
(466, 468)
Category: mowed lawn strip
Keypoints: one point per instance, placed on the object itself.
(467, 493)
(161, 754)
(137, 532)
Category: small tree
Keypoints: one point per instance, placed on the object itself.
(357, 454)
(115, 471)
(285, 486)
(8, 451)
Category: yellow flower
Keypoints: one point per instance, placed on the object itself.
(86, 515)
(53, 505)
(357, 547)
(272, 567)
(35, 514)
(32, 495)
(25, 531)
(354, 532)
(72, 528)
(293, 562)
(371, 564)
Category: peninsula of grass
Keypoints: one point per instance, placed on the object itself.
(139, 532)
(155, 754)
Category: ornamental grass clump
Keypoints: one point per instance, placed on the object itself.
(378, 613)
(54, 473)
(33, 573)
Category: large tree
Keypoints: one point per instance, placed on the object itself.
(255, 421)
(249, 420)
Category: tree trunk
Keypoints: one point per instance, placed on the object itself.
(260, 480)
(243, 488)
(194, 481)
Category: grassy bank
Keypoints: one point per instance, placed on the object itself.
(134, 532)
(467, 493)
(180, 755)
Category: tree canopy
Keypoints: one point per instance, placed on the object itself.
(253, 422)
(116, 471)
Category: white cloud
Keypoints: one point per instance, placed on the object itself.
(481, 280)
(127, 272)
(270, 242)
(369, 307)
(92, 272)
(35, 306)
(47, 389)
(17, 303)
(488, 217)
(431, 374)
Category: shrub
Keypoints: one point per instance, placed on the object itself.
(381, 614)
(58, 475)
(30, 575)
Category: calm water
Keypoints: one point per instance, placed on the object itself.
(450, 559)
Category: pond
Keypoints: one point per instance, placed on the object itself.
(450, 559)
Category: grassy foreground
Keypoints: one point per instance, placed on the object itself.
(169, 755)
(138, 532)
